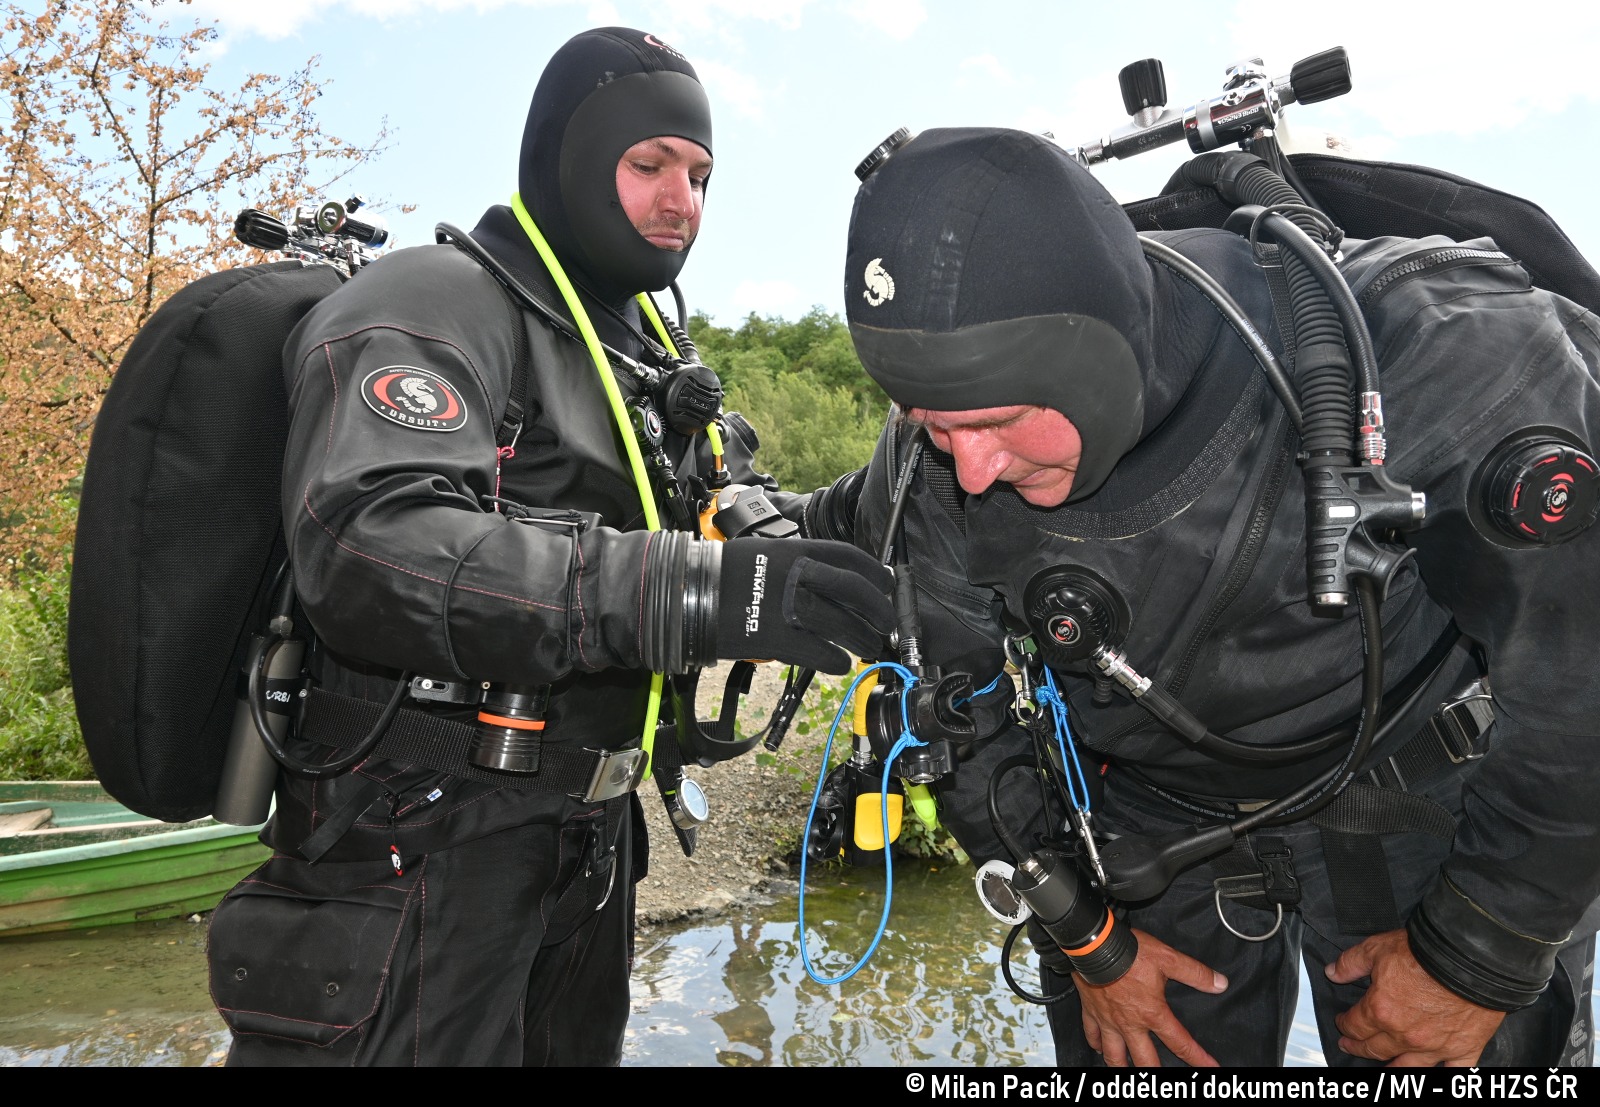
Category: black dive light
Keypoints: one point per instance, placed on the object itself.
(1076, 917)
(1072, 911)
(510, 728)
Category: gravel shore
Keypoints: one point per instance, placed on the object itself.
(758, 805)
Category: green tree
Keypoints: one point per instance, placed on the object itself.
(39, 738)
(802, 387)
(810, 433)
(817, 345)
(122, 167)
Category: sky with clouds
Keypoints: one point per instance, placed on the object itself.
(801, 90)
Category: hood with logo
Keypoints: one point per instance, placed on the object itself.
(986, 268)
(603, 91)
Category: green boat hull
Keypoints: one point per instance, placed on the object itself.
(108, 866)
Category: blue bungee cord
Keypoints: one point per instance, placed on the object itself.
(1077, 786)
(984, 691)
(1048, 695)
(907, 739)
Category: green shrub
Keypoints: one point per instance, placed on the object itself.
(810, 433)
(39, 735)
(802, 388)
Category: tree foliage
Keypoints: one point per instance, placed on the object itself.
(802, 387)
(123, 169)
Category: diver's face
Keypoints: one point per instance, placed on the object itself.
(662, 185)
(1033, 449)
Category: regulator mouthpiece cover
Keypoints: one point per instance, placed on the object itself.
(986, 268)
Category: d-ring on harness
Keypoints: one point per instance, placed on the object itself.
(1274, 880)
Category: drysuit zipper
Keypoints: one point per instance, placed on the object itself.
(1244, 558)
(1446, 257)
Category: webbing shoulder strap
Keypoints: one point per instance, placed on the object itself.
(517, 401)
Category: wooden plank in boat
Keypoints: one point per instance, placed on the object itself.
(18, 822)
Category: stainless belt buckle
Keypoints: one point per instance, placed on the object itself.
(616, 773)
(1460, 722)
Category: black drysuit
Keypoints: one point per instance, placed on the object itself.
(421, 910)
(404, 565)
(1201, 529)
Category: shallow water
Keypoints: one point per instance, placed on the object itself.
(930, 994)
(729, 992)
(121, 995)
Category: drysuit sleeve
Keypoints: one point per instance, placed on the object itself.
(1526, 859)
(396, 387)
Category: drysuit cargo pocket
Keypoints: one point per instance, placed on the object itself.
(303, 952)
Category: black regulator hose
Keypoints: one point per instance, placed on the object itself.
(279, 629)
(902, 494)
(1321, 356)
(683, 316)
(1011, 981)
(1318, 794)
(1140, 868)
(1207, 285)
(1397, 706)
(680, 337)
(1330, 282)
(1172, 714)
(1014, 845)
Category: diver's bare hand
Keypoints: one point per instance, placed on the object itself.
(1119, 1018)
(1407, 1017)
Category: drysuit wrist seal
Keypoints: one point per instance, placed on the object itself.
(679, 616)
(1480, 976)
(831, 512)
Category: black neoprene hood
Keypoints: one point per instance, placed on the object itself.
(986, 268)
(603, 91)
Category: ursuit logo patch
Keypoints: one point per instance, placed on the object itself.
(414, 398)
(880, 286)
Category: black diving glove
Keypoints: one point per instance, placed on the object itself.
(800, 600)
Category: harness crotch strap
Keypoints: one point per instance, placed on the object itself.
(1351, 827)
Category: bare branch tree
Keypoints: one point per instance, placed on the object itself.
(121, 170)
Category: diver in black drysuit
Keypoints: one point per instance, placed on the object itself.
(987, 270)
(421, 909)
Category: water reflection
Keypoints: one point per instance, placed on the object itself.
(731, 992)
(120, 996)
(932, 993)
